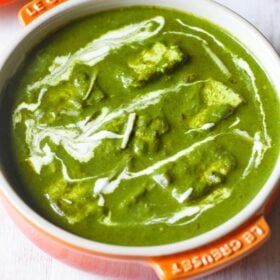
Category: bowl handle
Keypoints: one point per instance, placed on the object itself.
(35, 8)
(215, 256)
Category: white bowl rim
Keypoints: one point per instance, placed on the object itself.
(253, 208)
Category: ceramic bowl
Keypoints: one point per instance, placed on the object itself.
(194, 257)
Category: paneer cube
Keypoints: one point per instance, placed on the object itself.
(219, 102)
(156, 61)
(72, 201)
(218, 163)
(216, 93)
(200, 173)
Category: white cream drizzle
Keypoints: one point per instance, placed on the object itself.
(99, 48)
(183, 196)
(141, 103)
(186, 35)
(105, 186)
(73, 138)
(210, 201)
(191, 212)
(91, 85)
(110, 186)
(258, 151)
(259, 147)
(67, 177)
(161, 180)
(101, 201)
(235, 123)
(200, 30)
(54, 206)
(46, 159)
(129, 129)
(205, 127)
(82, 138)
(242, 64)
(32, 107)
(217, 61)
(244, 134)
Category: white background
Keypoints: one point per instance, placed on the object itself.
(20, 260)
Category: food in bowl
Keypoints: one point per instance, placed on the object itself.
(141, 126)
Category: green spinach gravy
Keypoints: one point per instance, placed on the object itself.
(142, 126)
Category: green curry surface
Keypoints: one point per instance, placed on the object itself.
(142, 126)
